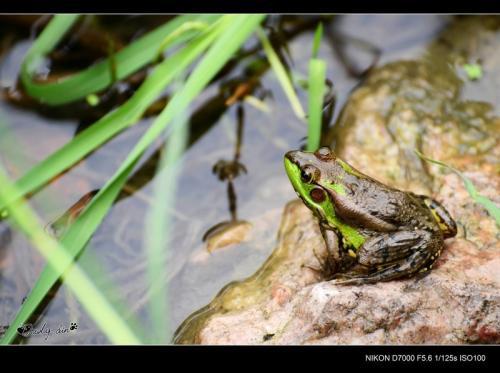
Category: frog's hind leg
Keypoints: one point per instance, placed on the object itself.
(392, 255)
(388, 248)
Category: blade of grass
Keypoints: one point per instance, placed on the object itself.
(158, 228)
(97, 77)
(484, 201)
(79, 233)
(89, 263)
(317, 40)
(176, 35)
(47, 41)
(316, 90)
(232, 32)
(317, 76)
(76, 279)
(282, 75)
(114, 122)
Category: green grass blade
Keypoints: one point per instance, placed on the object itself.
(158, 228)
(47, 41)
(177, 35)
(114, 122)
(98, 76)
(484, 201)
(89, 263)
(79, 233)
(317, 76)
(231, 34)
(75, 279)
(317, 40)
(282, 75)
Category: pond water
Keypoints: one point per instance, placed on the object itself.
(194, 275)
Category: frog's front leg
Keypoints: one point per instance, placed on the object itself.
(327, 264)
(393, 255)
(336, 260)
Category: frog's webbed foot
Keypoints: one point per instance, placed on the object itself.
(391, 256)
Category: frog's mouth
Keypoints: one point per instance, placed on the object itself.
(293, 171)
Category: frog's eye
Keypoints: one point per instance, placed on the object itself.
(305, 176)
(308, 174)
(318, 195)
(324, 153)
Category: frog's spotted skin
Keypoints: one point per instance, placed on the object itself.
(385, 233)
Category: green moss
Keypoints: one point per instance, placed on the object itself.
(473, 71)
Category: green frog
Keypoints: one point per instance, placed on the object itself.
(373, 232)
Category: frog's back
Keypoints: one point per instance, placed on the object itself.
(393, 206)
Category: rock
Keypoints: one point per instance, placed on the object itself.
(227, 233)
(402, 106)
(418, 104)
(276, 283)
(457, 302)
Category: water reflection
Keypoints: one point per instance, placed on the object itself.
(234, 230)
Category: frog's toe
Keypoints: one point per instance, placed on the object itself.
(348, 278)
(352, 278)
(352, 281)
